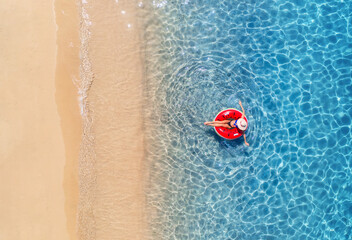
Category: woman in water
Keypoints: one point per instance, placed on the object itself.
(240, 123)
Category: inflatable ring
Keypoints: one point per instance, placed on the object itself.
(227, 133)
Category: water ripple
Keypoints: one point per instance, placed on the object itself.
(289, 64)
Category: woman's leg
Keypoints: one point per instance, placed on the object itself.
(218, 124)
(221, 125)
(215, 122)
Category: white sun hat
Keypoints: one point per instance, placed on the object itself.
(242, 124)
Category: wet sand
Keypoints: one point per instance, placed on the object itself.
(40, 127)
(111, 170)
(66, 95)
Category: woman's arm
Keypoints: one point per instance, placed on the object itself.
(245, 142)
(241, 107)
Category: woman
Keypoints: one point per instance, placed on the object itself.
(240, 123)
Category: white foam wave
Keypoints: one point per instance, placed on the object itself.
(87, 175)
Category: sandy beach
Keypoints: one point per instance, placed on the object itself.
(52, 187)
(40, 127)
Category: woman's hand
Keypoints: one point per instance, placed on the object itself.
(245, 141)
(241, 106)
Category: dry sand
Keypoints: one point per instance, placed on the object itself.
(39, 122)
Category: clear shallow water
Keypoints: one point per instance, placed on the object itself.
(289, 62)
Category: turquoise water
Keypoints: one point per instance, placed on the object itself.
(289, 62)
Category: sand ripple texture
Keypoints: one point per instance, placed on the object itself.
(289, 62)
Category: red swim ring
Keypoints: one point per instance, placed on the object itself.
(226, 133)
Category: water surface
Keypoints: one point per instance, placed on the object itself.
(289, 62)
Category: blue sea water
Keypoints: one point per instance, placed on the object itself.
(289, 62)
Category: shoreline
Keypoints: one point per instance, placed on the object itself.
(111, 166)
